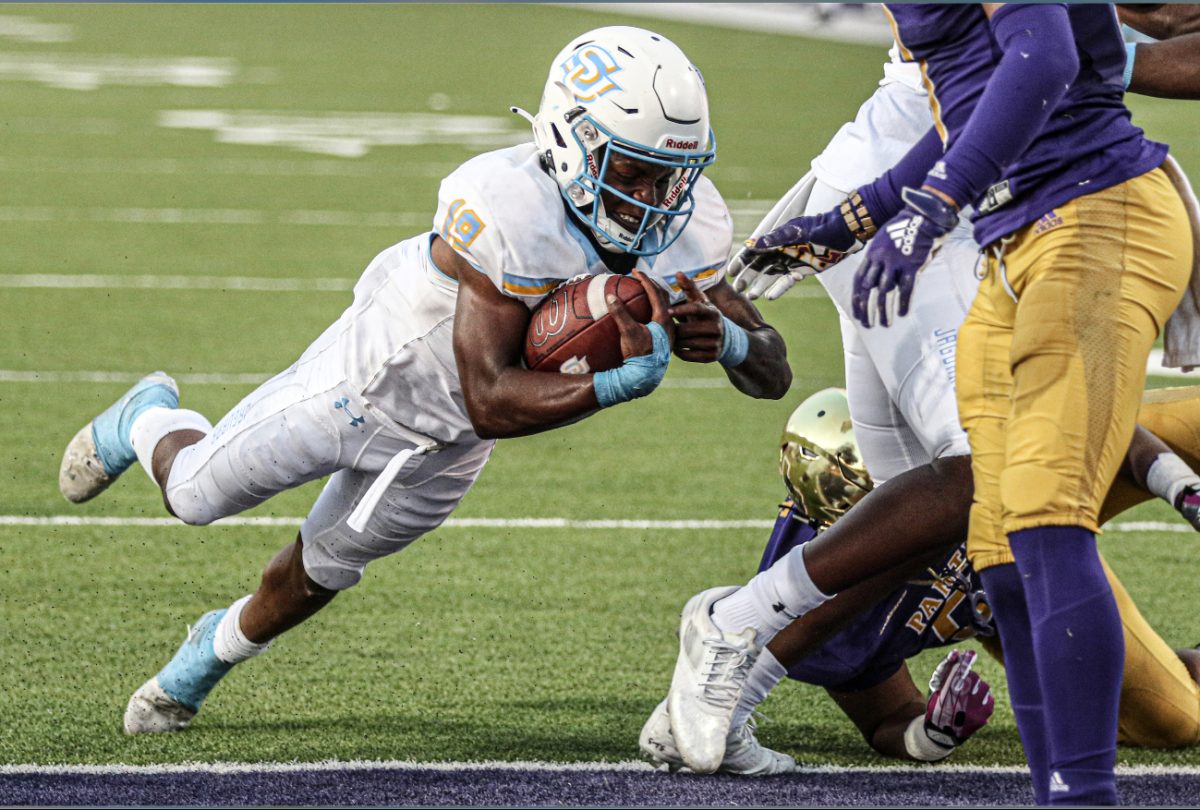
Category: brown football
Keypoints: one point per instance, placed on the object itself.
(571, 330)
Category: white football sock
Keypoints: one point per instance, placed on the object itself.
(1169, 475)
(770, 601)
(153, 423)
(229, 643)
(766, 673)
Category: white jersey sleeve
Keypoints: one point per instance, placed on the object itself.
(506, 217)
(503, 214)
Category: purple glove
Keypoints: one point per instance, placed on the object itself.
(960, 702)
(883, 285)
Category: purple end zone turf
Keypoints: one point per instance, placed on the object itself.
(513, 787)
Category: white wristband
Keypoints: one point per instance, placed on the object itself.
(919, 746)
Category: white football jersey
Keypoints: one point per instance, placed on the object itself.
(900, 378)
(503, 214)
(894, 118)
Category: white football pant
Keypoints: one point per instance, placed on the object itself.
(900, 378)
(306, 423)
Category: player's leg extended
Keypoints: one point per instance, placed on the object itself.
(328, 557)
(1094, 288)
(984, 382)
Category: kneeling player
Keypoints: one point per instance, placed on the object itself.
(855, 646)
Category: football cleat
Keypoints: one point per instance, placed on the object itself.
(101, 450)
(153, 711)
(169, 700)
(744, 754)
(710, 675)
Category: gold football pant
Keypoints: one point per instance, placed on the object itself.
(1052, 356)
(1160, 702)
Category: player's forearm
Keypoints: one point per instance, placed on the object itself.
(888, 737)
(882, 197)
(1039, 61)
(1161, 20)
(1169, 69)
(765, 373)
(518, 402)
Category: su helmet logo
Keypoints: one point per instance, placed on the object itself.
(588, 73)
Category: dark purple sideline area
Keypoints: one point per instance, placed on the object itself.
(509, 787)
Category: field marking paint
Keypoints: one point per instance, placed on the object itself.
(89, 72)
(156, 282)
(817, 21)
(628, 766)
(212, 216)
(236, 378)
(502, 523)
(347, 134)
(238, 167)
(28, 29)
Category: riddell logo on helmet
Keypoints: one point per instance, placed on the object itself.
(672, 143)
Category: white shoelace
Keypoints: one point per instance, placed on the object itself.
(723, 674)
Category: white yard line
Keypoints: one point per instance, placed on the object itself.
(88, 281)
(212, 216)
(237, 378)
(632, 524)
(238, 167)
(557, 767)
(867, 25)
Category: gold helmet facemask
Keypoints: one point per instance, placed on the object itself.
(819, 458)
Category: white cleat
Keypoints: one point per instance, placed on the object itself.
(152, 711)
(81, 476)
(710, 675)
(744, 754)
(102, 449)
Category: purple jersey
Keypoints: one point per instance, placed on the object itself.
(934, 611)
(1089, 142)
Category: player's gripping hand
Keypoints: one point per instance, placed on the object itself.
(645, 347)
(960, 702)
(702, 332)
(800, 247)
(883, 285)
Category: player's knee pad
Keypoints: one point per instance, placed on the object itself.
(192, 510)
(1028, 489)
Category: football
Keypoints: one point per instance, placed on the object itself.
(572, 332)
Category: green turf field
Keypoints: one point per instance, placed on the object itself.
(476, 644)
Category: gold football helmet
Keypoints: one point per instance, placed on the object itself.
(819, 458)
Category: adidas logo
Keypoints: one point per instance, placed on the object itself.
(903, 233)
(1057, 785)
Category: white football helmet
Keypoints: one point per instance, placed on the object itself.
(630, 91)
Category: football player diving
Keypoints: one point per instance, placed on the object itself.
(856, 644)
(401, 400)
